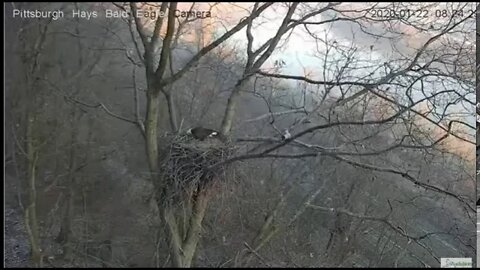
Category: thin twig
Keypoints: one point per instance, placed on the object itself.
(256, 254)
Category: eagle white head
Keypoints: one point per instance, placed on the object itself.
(286, 135)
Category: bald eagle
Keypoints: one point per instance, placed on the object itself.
(201, 133)
(286, 135)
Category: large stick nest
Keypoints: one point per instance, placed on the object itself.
(188, 165)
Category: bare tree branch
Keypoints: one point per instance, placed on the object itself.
(213, 45)
(167, 42)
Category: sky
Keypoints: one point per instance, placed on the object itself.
(298, 51)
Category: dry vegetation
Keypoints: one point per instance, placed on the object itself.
(378, 171)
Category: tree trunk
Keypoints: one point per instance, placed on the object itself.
(151, 124)
(183, 250)
(172, 111)
(228, 119)
(31, 210)
(64, 236)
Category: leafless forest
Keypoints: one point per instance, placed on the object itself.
(345, 135)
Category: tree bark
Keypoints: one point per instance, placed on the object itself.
(31, 210)
(183, 250)
(172, 111)
(227, 121)
(151, 134)
(64, 236)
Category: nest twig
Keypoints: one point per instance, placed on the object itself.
(186, 166)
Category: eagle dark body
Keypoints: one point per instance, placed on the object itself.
(201, 133)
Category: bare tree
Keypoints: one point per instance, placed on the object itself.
(348, 154)
(385, 83)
